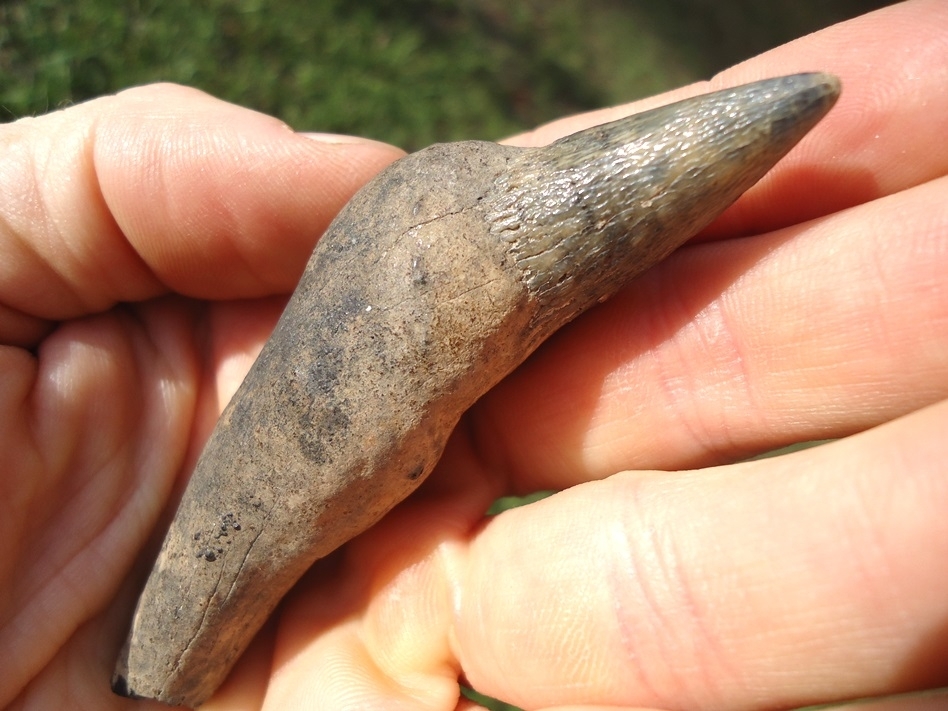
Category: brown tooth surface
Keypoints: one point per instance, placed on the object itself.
(438, 278)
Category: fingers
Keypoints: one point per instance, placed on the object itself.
(774, 584)
(884, 135)
(791, 581)
(161, 188)
(736, 347)
(94, 433)
(817, 331)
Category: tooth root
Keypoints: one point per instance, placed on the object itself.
(432, 284)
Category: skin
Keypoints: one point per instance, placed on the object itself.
(815, 308)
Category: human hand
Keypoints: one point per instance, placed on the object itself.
(147, 244)
(809, 578)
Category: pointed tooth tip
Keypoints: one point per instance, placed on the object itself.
(807, 79)
(822, 86)
(794, 102)
(830, 81)
(830, 84)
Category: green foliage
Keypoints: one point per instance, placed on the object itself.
(511, 502)
(486, 701)
(410, 72)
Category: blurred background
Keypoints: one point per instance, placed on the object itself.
(410, 72)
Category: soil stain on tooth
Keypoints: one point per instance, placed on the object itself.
(438, 278)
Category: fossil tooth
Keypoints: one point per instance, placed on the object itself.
(438, 278)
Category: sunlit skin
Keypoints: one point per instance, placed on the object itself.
(148, 241)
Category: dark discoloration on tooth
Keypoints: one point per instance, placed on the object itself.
(437, 279)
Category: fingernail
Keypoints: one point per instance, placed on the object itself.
(340, 138)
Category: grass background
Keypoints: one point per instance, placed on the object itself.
(409, 72)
